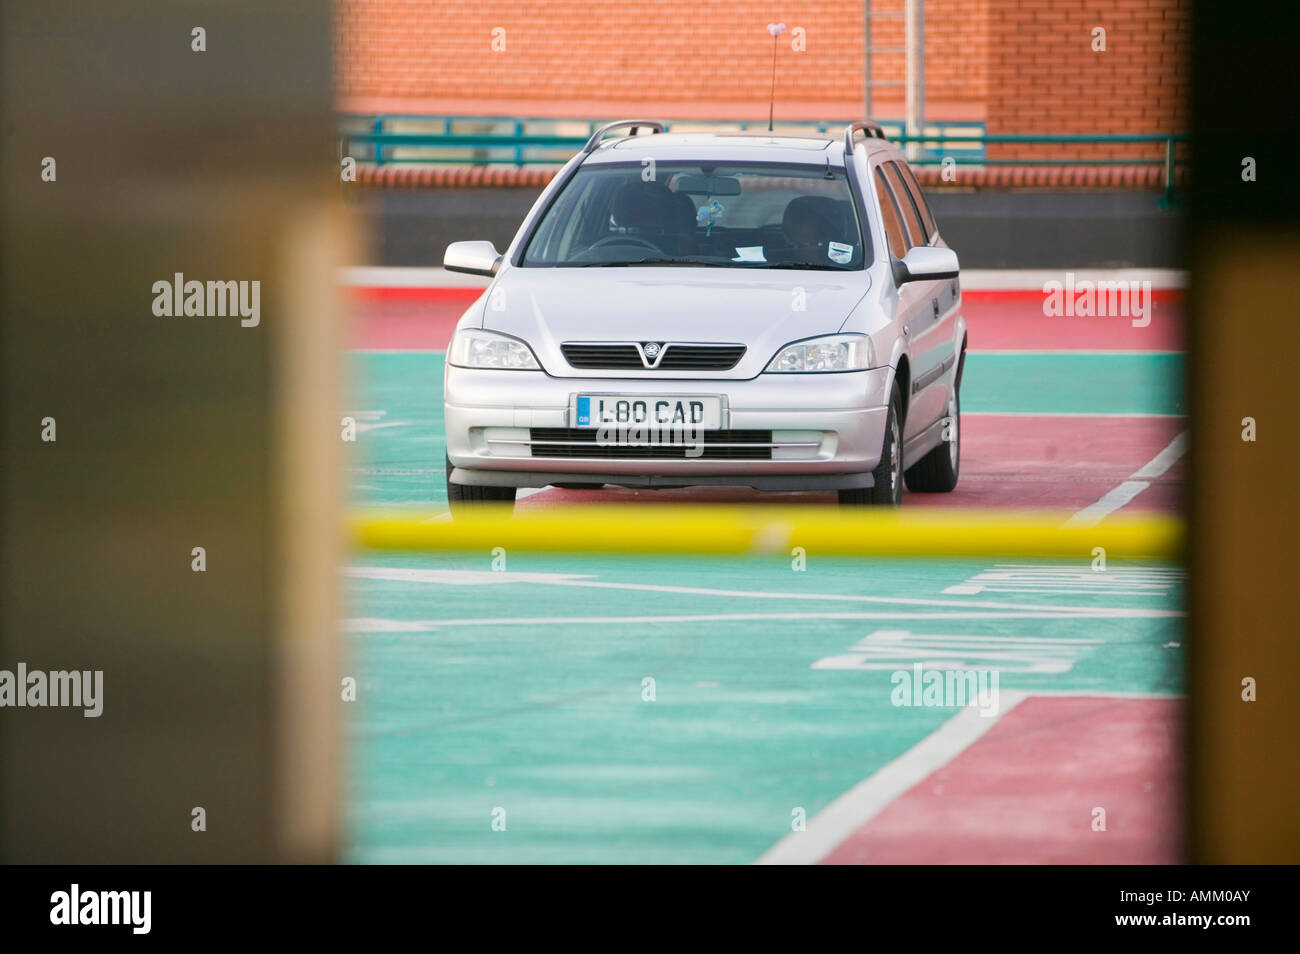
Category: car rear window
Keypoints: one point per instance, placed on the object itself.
(890, 217)
(922, 203)
(916, 234)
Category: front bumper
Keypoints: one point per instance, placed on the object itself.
(827, 430)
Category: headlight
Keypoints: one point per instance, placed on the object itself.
(472, 348)
(832, 353)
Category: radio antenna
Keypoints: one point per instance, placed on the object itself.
(776, 29)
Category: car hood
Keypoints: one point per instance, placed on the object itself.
(760, 309)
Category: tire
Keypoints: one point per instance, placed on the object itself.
(937, 471)
(888, 475)
(467, 499)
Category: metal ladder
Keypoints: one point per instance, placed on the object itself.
(913, 48)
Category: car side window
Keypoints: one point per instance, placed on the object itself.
(890, 217)
(922, 203)
(911, 217)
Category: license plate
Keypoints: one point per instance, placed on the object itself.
(598, 410)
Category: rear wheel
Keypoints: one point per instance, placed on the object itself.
(888, 475)
(937, 471)
(467, 499)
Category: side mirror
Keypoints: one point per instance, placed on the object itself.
(472, 258)
(925, 263)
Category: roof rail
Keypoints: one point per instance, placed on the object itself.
(872, 130)
(631, 124)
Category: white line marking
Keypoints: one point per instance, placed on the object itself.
(395, 350)
(903, 638)
(842, 817)
(1124, 494)
(1106, 694)
(1167, 570)
(459, 577)
(1103, 414)
(864, 801)
(379, 276)
(1089, 351)
(426, 625)
(1157, 465)
(452, 577)
(1014, 279)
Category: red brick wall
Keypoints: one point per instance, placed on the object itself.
(1024, 65)
(1044, 75)
(436, 54)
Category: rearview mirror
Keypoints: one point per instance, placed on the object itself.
(707, 185)
(472, 258)
(924, 263)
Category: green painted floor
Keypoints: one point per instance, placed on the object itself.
(519, 693)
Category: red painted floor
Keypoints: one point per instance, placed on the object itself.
(423, 318)
(1025, 792)
(402, 324)
(1014, 321)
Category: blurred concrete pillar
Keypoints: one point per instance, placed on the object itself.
(140, 141)
(1244, 215)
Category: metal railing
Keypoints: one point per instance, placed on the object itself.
(511, 140)
(516, 141)
(1169, 143)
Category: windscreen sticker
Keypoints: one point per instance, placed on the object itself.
(749, 253)
(839, 253)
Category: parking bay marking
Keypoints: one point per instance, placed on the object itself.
(469, 577)
(834, 823)
(1070, 578)
(1126, 492)
(889, 649)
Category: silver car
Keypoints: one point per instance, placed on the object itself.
(769, 311)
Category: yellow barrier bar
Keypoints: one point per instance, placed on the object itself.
(666, 528)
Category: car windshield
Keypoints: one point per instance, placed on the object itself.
(737, 216)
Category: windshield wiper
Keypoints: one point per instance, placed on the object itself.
(697, 263)
(659, 261)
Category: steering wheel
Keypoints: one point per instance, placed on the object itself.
(624, 240)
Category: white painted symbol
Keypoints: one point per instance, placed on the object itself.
(889, 649)
(373, 420)
(1070, 578)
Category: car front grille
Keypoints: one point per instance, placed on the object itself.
(676, 357)
(714, 445)
(614, 357)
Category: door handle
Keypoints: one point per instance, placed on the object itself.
(935, 303)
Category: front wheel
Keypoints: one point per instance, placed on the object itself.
(468, 499)
(888, 475)
(937, 471)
